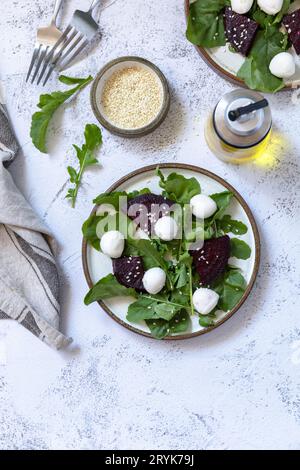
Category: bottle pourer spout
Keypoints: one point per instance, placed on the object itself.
(236, 113)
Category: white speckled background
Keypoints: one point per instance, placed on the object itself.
(237, 387)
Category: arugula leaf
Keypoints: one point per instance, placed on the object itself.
(107, 288)
(181, 276)
(178, 188)
(110, 198)
(226, 224)
(239, 249)
(161, 328)
(205, 23)
(255, 70)
(93, 139)
(151, 256)
(48, 104)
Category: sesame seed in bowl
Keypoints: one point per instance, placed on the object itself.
(130, 97)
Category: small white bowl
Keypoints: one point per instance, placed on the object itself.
(98, 86)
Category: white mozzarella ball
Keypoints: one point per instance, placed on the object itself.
(106, 209)
(203, 206)
(166, 228)
(205, 300)
(141, 235)
(271, 7)
(282, 65)
(154, 280)
(241, 6)
(112, 243)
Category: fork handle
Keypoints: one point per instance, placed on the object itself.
(57, 6)
(93, 5)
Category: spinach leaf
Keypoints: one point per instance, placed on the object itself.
(85, 155)
(235, 279)
(226, 224)
(161, 328)
(263, 19)
(255, 70)
(239, 249)
(207, 320)
(48, 104)
(205, 23)
(222, 200)
(151, 307)
(229, 298)
(108, 287)
(89, 231)
(178, 188)
(230, 288)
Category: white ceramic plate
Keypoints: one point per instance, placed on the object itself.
(96, 265)
(227, 63)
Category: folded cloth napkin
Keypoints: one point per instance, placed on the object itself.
(29, 283)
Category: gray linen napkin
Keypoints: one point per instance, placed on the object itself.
(29, 283)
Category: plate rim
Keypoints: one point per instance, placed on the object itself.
(216, 67)
(201, 171)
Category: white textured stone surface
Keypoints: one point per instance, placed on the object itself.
(237, 387)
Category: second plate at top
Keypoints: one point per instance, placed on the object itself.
(226, 63)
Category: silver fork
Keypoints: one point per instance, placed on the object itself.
(46, 38)
(79, 32)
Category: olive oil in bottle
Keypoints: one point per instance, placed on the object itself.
(239, 128)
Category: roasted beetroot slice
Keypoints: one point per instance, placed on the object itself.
(129, 271)
(240, 31)
(211, 260)
(148, 208)
(292, 25)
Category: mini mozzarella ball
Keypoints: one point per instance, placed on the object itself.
(166, 228)
(282, 65)
(112, 244)
(205, 300)
(105, 209)
(271, 7)
(241, 6)
(154, 280)
(141, 235)
(203, 206)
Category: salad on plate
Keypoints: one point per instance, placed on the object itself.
(171, 253)
(265, 32)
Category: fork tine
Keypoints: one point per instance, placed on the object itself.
(77, 52)
(60, 58)
(33, 59)
(40, 59)
(50, 71)
(64, 52)
(58, 43)
(51, 58)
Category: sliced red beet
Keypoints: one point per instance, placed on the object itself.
(292, 25)
(240, 31)
(129, 271)
(146, 209)
(211, 260)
